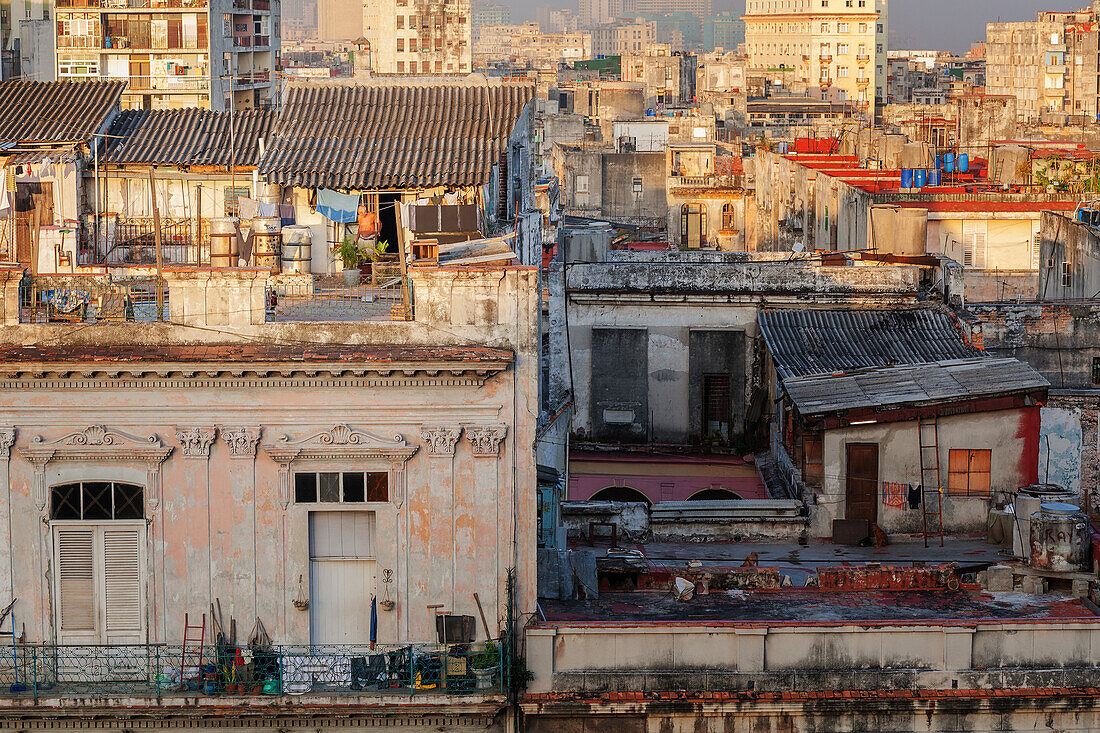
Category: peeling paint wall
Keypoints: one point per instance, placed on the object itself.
(1060, 447)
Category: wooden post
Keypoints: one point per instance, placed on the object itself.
(157, 239)
(402, 259)
(197, 233)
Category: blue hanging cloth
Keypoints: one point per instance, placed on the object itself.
(339, 207)
(373, 621)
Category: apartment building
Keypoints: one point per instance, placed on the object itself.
(419, 36)
(216, 54)
(339, 20)
(1050, 64)
(300, 20)
(836, 47)
(528, 43)
(26, 39)
(618, 39)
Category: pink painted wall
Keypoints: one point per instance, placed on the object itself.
(740, 478)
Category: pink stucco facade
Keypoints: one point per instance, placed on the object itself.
(216, 446)
(661, 477)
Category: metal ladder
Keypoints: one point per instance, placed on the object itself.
(191, 656)
(928, 437)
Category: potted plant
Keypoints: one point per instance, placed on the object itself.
(349, 255)
(485, 664)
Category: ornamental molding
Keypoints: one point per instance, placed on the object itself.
(440, 440)
(486, 439)
(196, 441)
(241, 440)
(7, 440)
(97, 443)
(339, 443)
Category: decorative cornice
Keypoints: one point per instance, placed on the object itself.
(242, 440)
(7, 440)
(340, 442)
(97, 443)
(439, 440)
(196, 441)
(486, 439)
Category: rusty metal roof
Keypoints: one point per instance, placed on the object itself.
(51, 111)
(393, 136)
(188, 137)
(806, 342)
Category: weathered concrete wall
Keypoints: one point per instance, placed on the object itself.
(1011, 435)
(984, 119)
(621, 201)
(1069, 263)
(459, 513)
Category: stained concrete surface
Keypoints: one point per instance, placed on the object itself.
(804, 605)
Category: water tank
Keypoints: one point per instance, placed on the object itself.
(784, 147)
(265, 242)
(949, 162)
(297, 248)
(935, 177)
(939, 162)
(906, 177)
(1059, 538)
(1028, 501)
(920, 178)
(223, 242)
(964, 162)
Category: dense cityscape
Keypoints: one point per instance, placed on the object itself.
(636, 366)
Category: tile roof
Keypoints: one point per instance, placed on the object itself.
(396, 136)
(252, 354)
(188, 137)
(48, 111)
(912, 385)
(808, 342)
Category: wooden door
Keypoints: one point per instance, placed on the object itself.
(341, 576)
(861, 488)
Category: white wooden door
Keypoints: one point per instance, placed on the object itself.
(100, 582)
(341, 576)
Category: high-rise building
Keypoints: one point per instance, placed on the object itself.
(339, 20)
(618, 39)
(300, 20)
(218, 54)
(725, 31)
(837, 48)
(26, 39)
(1049, 64)
(419, 36)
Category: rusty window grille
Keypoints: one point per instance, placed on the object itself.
(717, 407)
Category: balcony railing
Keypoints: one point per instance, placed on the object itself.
(385, 296)
(89, 299)
(132, 243)
(124, 4)
(169, 83)
(37, 671)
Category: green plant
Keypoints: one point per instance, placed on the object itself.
(376, 252)
(348, 253)
(487, 658)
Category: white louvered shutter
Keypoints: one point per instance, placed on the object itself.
(122, 581)
(76, 580)
(979, 250)
(1036, 248)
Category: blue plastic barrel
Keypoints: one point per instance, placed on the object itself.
(906, 177)
(939, 162)
(949, 162)
(964, 162)
(920, 178)
(935, 177)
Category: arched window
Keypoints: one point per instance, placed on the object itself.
(693, 226)
(713, 495)
(729, 219)
(621, 493)
(97, 501)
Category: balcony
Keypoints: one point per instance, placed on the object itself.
(131, 4)
(825, 58)
(173, 83)
(34, 671)
(254, 78)
(862, 81)
(863, 58)
(242, 41)
(385, 296)
(261, 41)
(89, 299)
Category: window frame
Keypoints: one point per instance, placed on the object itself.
(341, 472)
(83, 519)
(969, 489)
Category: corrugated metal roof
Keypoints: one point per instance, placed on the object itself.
(912, 385)
(393, 136)
(806, 342)
(49, 111)
(188, 137)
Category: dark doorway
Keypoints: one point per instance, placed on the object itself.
(717, 408)
(387, 216)
(714, 495)
(621, 493)
(861, 488)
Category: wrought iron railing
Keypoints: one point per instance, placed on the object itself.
(161, 670)
(132, 242)
(385, 297)
(89, 299)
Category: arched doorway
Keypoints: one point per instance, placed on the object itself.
(693, 226)
(714, 495)
(620, 493)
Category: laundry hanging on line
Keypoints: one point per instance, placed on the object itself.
(251, 209)
(338, 207)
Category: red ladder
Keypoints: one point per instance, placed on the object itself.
(928, 437)
(192, 650)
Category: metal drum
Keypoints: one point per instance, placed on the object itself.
(1028, 501)
(1059, 538)
(265, 242)
(223, 242)
(297, 249)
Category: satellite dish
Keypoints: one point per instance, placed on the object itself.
(798, 247)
